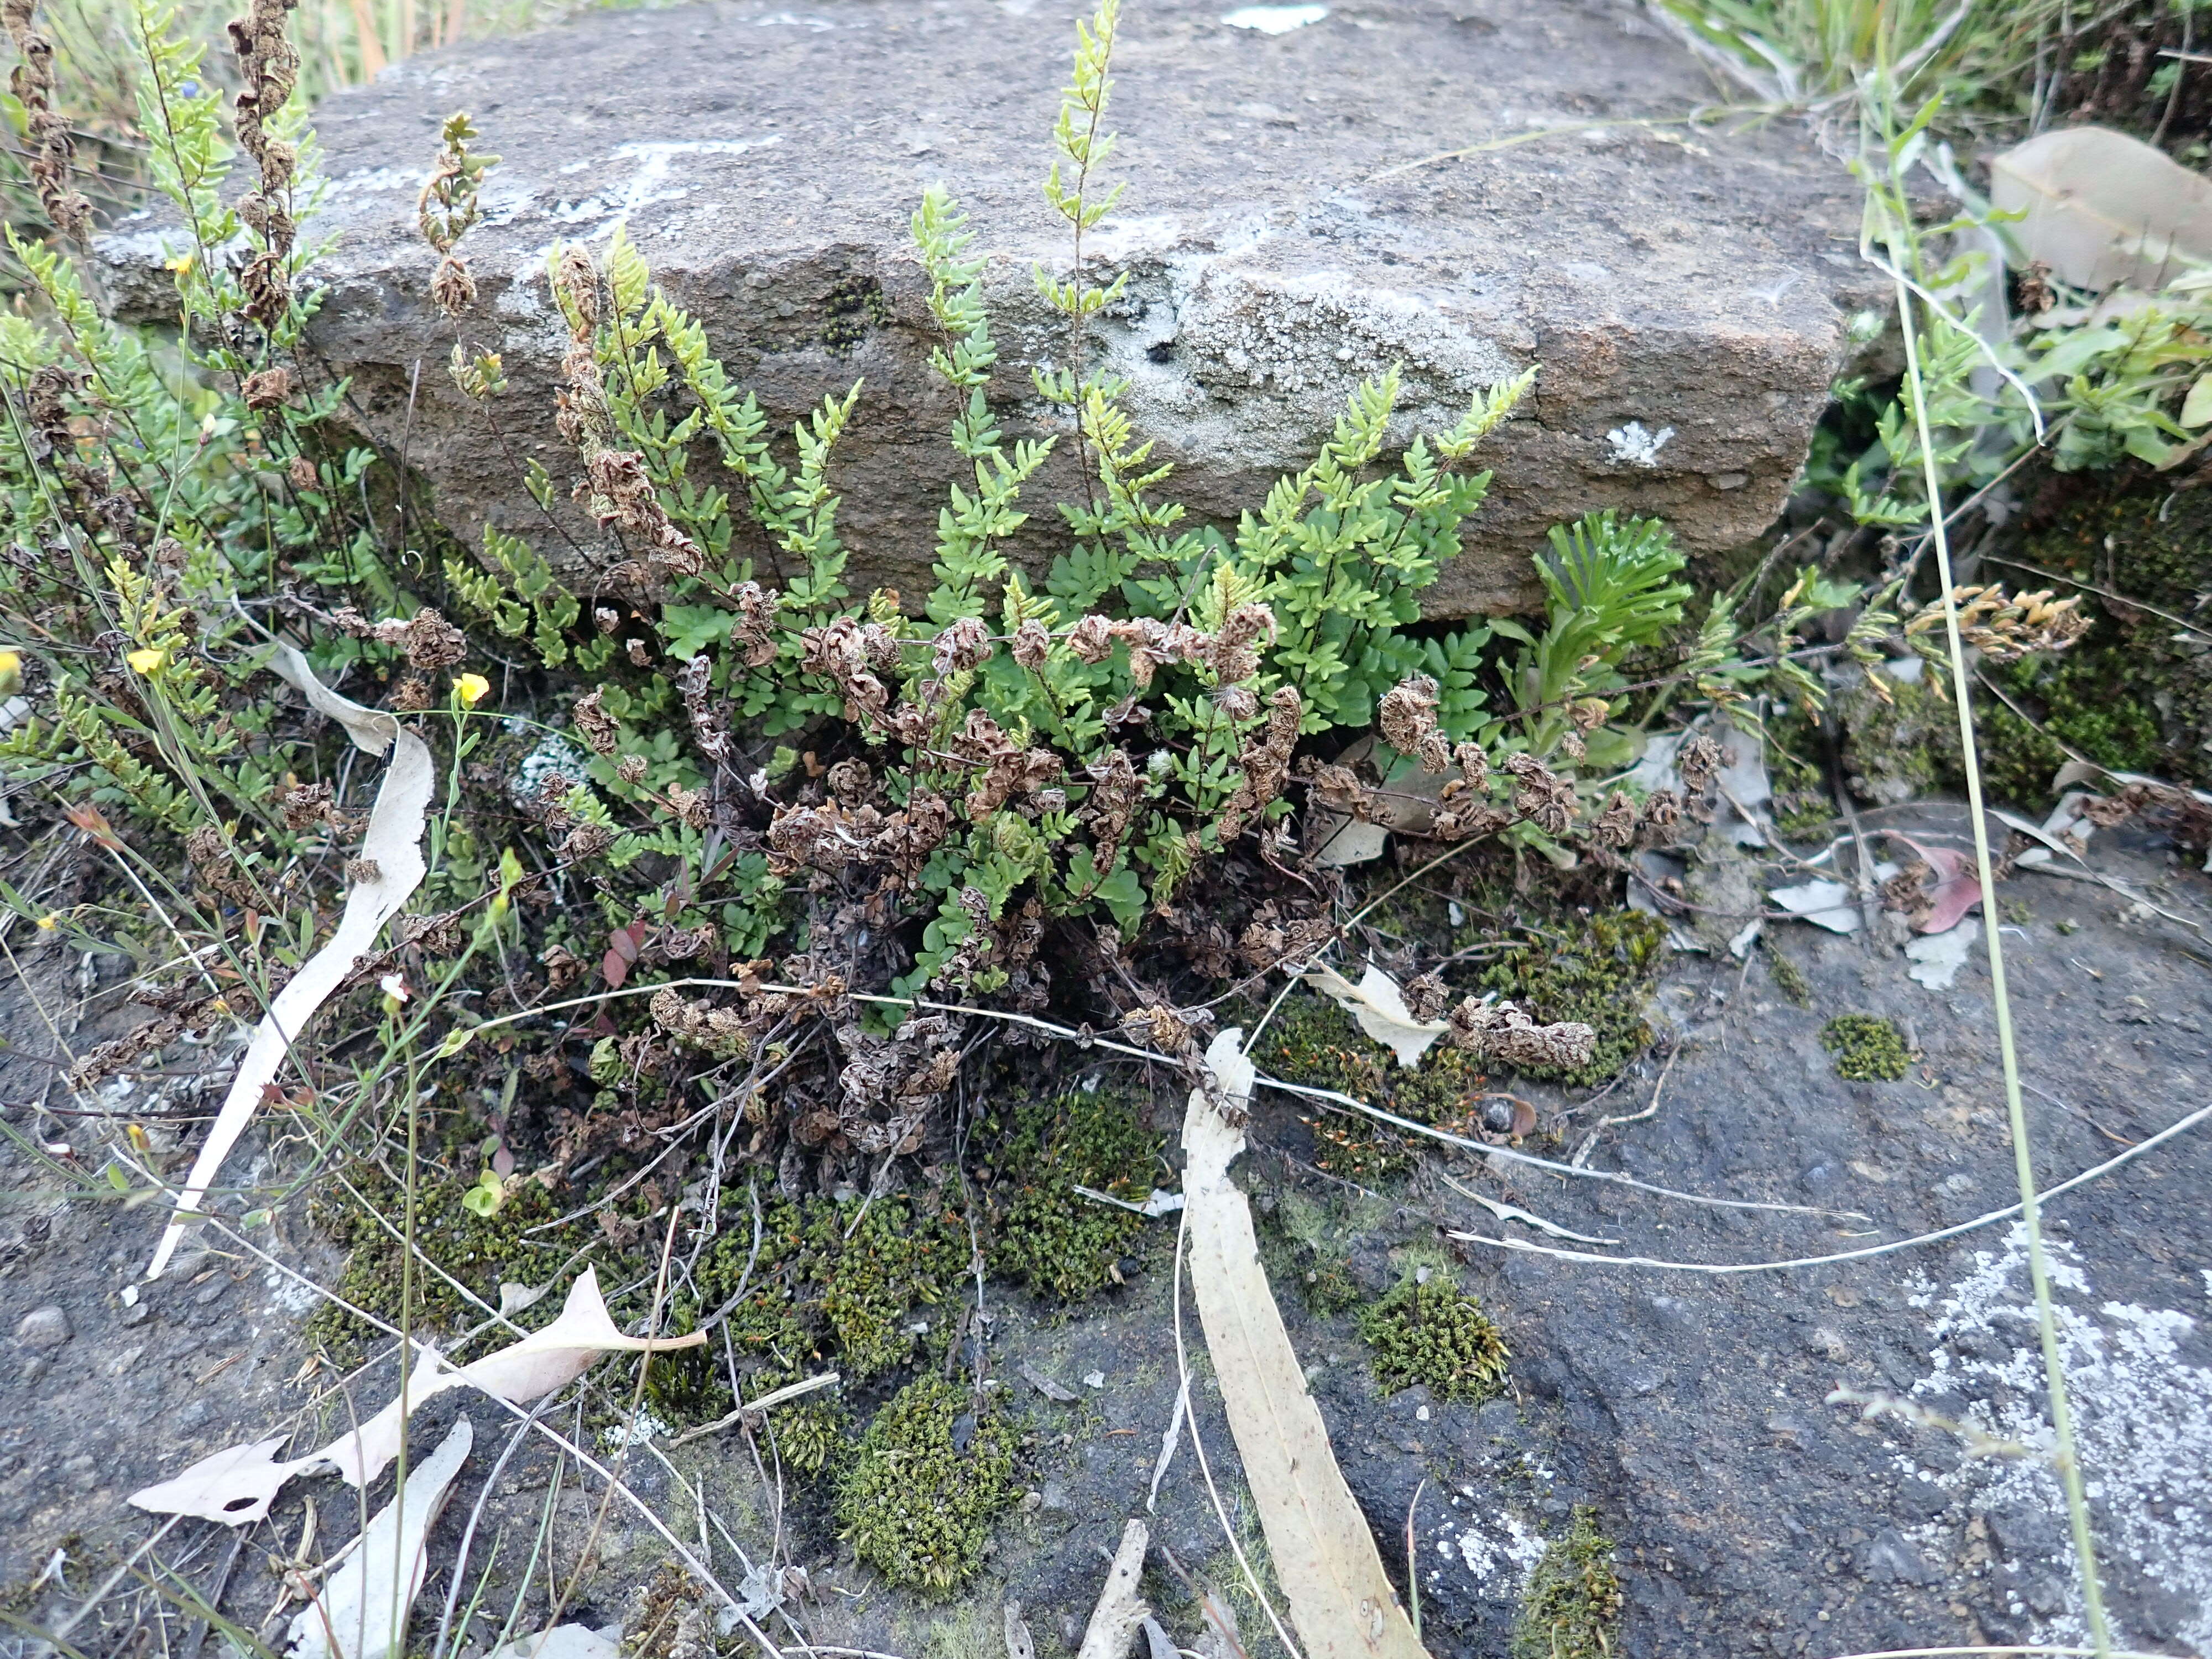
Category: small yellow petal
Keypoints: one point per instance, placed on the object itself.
(472, 689)
(49, 921)
(147, 661)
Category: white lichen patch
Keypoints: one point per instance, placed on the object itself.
(1228, 360)
(1273, 20)
(1497, 1550)
(2142, 1423)
(1637, 445)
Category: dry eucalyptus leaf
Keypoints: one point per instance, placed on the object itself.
(562, 1641)
(1325, 1557)
(520, 1373)
(1379, 1006)
(362, 1610)
(2101, 209)
(392, 849)
(237, 1485)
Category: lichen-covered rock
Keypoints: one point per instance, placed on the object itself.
(1685, 290)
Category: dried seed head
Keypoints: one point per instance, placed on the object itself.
(452, 289)
(1700, 762)
(1032, 644)
(267, 389)
(593, 723)
(576, 291)
(1408, 718)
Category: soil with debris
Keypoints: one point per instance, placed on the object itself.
(1690, 1412)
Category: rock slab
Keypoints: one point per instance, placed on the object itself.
(1686, 288)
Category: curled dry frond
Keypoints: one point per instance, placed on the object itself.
(447, 207)
(2004, 627)
(1407, 715)
(1264, 764)
(1504, 1032)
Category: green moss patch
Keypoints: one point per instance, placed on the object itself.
(934, 1469)
(1429, 1331)
(1314, 1041)
(1573, 1607)
(1867, 1049)
(1596, 969)
(813, 1299)
(1062, 1245)
(479, 1251)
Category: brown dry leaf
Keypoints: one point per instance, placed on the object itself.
(392, 849)
(2102, 208)
(1341, 1599)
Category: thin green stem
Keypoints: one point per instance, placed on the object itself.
(2054, 1370)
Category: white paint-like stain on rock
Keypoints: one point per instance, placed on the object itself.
(2143, 1421)
(1273, 20)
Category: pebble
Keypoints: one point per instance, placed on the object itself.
(1828, 1345)
(43, 1328)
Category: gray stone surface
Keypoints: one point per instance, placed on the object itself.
(43, 1328)
(767, 159)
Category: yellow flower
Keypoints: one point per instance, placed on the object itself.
(147, 661)
(180, 264)
(472, 689)
(11, 671)
(49, 921)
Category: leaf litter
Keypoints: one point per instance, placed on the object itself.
(388, 868)
(237, 1486)
(1341, 1600)
(362, 1610)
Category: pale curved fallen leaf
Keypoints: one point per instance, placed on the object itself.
(392, 849)
(2100, 208)
(1379, 1006)
(360, 1613)
(237, 1485)
(1341, 1601)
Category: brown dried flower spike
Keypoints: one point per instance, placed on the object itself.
(447, 207)
(51, 148)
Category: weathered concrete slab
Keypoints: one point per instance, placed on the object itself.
(1672, 279)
